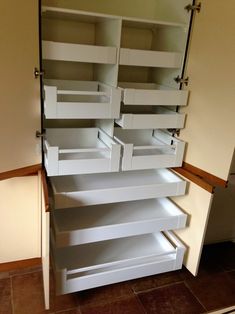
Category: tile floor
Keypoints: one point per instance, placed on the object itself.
(21, 291)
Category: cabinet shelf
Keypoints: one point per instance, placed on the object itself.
(94, 189)
(92, 265)
(151, 94)
(65, 99)
(159, 118)
(148, 149)
(78, 53)
(76, 151)
(74, 226)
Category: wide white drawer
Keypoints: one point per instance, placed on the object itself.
(161, 118)
(76, 151)
(74, 226)
(152, 94)
(80, 100)
(94, 189)
(148, 149)
(60, 51)
(92, 265)
(147, 58)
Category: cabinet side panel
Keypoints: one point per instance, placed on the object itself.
(196, 203)
(20, 219)
(20, 92)
(210, 125)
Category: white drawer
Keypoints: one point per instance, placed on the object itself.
(80, 100)
(94, 189)
(74, 226)
(147, 58)
(60, 51)
(152, 94)
(148, 149)
(92, 265)
(161, 118)
(76, 151)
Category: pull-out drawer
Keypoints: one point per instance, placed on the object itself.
(76, 151)
(94, 189)
(160, 118)
(62, 51)
(80, 100)
(74, 226)
(152, 94)
(147, 58)
(92, 265)
(147, 149)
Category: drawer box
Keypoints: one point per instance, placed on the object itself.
(80, 100)
(76, 151)
(94, 189)
(74, 226)
(161, 118)
(148, 149)
(152, 94)
(147, 58)
(60, 51)
(92, 265)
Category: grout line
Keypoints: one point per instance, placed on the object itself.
(25, 273)
(195, 296)
(12, 301)
(159, 287)
(141, 304)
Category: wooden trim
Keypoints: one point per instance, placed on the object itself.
(21, 172)
(195, 179)
(45, 190)
(208, 177)
(4, 267)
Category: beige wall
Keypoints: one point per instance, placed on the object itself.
(20, 222)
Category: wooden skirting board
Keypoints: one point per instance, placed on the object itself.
(200, 177)
(45, 190)
(32, 262)
(21, 172)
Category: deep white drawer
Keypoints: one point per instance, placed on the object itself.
(161, 118)
(152, 94)
(92, 265)
(74, 226)
(76, 151)
(94, 189)
(148, 149)
(80, 100)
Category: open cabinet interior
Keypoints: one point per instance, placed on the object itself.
(110, 104)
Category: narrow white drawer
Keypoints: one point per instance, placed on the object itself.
(76, 151)
(92, 265)
(94, 189)
(149, 149)
(80, 100)
(74, 226)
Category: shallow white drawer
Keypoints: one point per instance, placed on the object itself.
(92, 265)
(74, 226)
(152, 94)
(52, 50)
(148, 149)
(76, 151)
(94, 189)
(161, 118)
(80, 100)
(147, 58)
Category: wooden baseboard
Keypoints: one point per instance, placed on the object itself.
(4, 267)
(21, 172)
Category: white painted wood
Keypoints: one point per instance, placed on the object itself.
(116, 260)
(150, 58)
(92, 189)
(88, 224)
(147, 149)
(152, 94)
(161, 118)
(76, 151)
(81, 100)
(78, 53)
